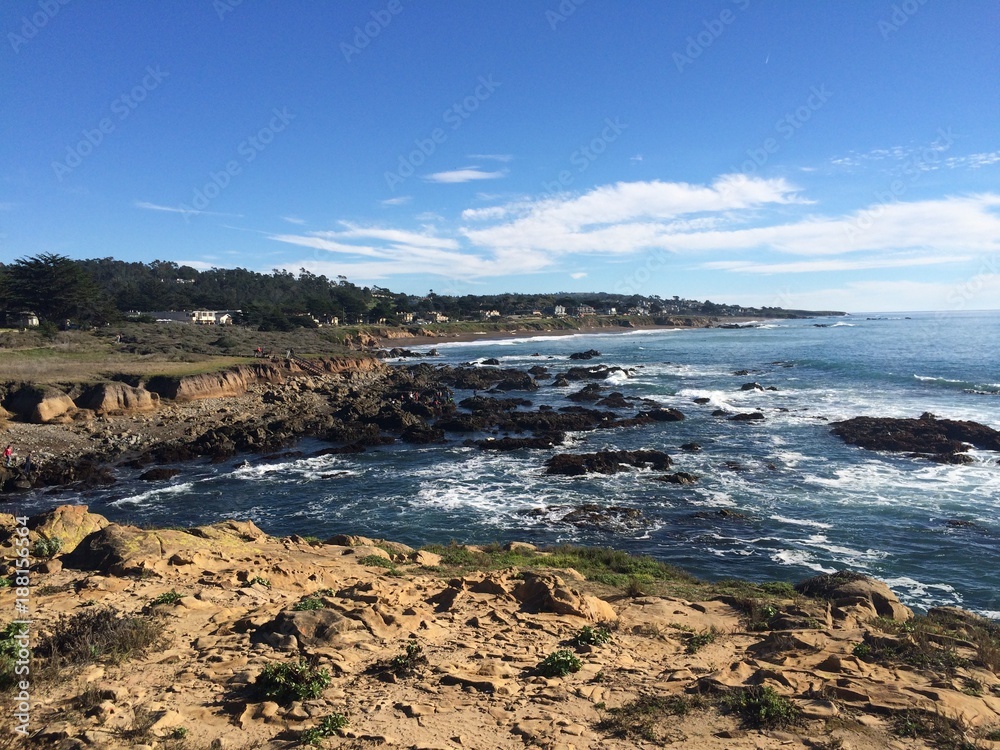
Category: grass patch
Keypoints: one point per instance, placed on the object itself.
(327, 728)
(167, 597)
(943, 640)
(935, 729)
(641, 719)
(285, 682)
(559, 664)
(261, 580)
(98, 635)
(697, 641)
(377, 561)
(760, 707)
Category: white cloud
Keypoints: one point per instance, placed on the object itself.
(397, 201)
(294, 220)
(466, 174)
(973, 161)
(178, 210)
(578, 275)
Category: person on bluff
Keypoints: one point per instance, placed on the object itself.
(8, 455)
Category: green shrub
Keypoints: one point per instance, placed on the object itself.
(285, 682)
(46, 549)
(377, 561)
(261, 580)
(761, 707)
(406, 663)
(308, 603)
(559, 664)
(327, 728)
(588, 636)
(168, 597)
(8, 654)
(4, 582)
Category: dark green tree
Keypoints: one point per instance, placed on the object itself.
(57, 289)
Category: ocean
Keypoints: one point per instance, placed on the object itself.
(810, 503)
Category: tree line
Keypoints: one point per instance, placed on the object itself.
(61, 290)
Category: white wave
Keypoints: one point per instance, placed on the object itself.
(931, 378)
(802, 522)
(840, 325)
(800, 557)
(147, 498)
(309, 469)
(912, 591)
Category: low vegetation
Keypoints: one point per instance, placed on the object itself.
(588, 636)
(644, 717)
(284, 682)
(694, 642)
(101, 634)
(760, 707)
(46, 549)
(9, 647)
(559, 664)
(327, 728)
(167, 597)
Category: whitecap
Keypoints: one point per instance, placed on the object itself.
(802, 522)
(146, 498)
(799, 557)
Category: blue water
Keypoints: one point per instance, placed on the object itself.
(812, 502)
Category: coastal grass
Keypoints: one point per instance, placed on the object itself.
(284, 682)
(943, 640)
(935, 729)
(630, 575)
(760, 707)
(642, 718)
(101, 634)
(328, 727)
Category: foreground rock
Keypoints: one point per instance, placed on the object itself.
(414, 659)
(606, 462)
(943, 440)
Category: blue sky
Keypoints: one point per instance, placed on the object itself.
(821, 155)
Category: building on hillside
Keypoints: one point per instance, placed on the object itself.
(583, 310)
(406, 317)
(487, 314)
(559, 311)
(27, 320)
(435, 317)
(609, 311)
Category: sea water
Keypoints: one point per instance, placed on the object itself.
(810, 502)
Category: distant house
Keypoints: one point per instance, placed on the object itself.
(406, 317)
(27, 320)
(435, 317)
(202, 317)
(224, 319)
(560, 311)
(609, 311)
(487, 314)
(583, 310)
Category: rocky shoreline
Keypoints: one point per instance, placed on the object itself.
(222, 636)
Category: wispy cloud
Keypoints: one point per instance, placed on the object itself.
(178, 210)
(294, 220)
(578, 275)
(491, 157)
(973, 161)
(399, 200)
(466, 174)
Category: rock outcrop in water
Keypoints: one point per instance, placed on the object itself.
(415, 652)
(606, 462)
(942, 440)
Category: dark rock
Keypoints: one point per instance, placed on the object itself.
(753, 416)
(681, 477)
(610, 518)
(589, 393)
(724, 514)
(614, 400)
(512, 444)
(491, 361)
(605, 462)
(944, 439)
(422, 435)
(702, 400)
(158, 475)
(560, 382)
(720, 413)
(741, 372)
(589, 354)
(751, 387)
(538, 370)
(693, 447)
(662, 415)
